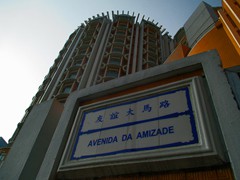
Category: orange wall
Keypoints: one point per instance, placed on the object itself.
(217, 173)
(218, 39)
(180, 52)
(144, 87)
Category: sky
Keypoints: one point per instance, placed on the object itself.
(32, 32)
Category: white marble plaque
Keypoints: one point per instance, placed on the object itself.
(148, 123)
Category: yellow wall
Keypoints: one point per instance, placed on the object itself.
(218, 39)
(180, 52)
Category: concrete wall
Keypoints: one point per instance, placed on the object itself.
(28, 151)
(226, 109)
(201, 21)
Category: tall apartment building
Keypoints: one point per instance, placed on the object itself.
(100, 50)
(122, 101)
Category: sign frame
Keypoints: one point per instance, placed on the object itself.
(205, 150)
(123, 139)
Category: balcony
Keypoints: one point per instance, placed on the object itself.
(117, 50)
(72, 75)
(111, 74)
(121, 33)
(114, 63)
(119, 41)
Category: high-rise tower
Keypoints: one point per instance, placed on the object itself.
(100, 50)
(104, 49)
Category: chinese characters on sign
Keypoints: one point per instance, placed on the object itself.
(153, 122)
(146, 108)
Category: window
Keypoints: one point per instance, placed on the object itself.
(82, 51)
(115, 61)
(152, 57)
(117, 49)
(78, 63)
(121, 32)
(112, 73)
(119, 40)
(67, 89)
(2, 156)
(153, 41)
(152, 49)
(72, 75)
(122, 27)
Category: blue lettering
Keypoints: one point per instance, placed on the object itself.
(171, 130)
(114, 115)
(164, 130)
(99, 119)
(147, 108)
(164, 104)
(130, 112)
(126, 137)
(102, 141)
(145, 134)
(90, 143)
(155, 132)
(139, 135)
(159, 131)
(129, 137)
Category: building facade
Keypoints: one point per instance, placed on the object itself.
(101, 50)
(3, 150)
(125, 101)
